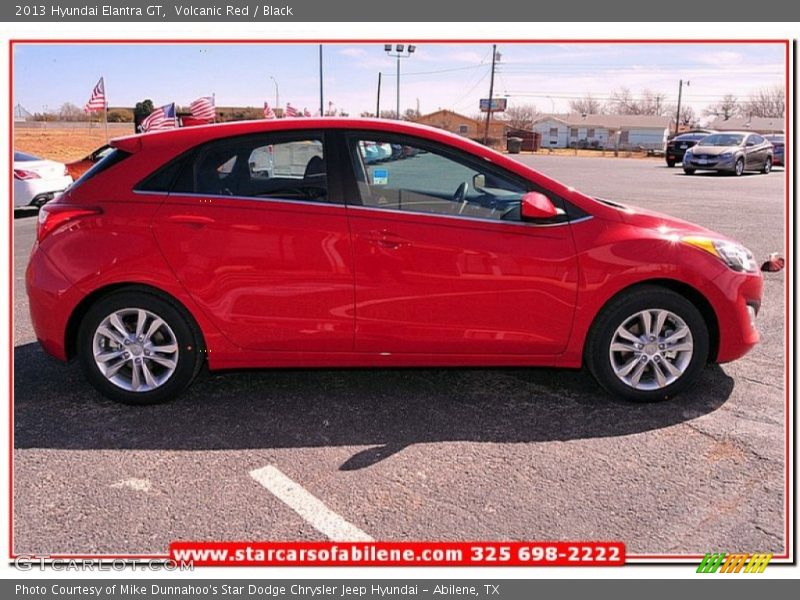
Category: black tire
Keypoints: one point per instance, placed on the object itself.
(671, 164)
(738, 168)
(767, 166)
(621, 308)
(190, 358)
(688, 171)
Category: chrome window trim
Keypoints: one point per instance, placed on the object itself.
(471, 219)
(247, 198)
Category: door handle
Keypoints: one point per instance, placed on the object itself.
(195, 221)
(384, 239)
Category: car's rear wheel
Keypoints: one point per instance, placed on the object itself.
(671, 164)
(688, 171)
(138, 348)
(738, 168)
(648, 344)
(767, 166)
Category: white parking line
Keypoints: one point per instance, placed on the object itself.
(313, 510)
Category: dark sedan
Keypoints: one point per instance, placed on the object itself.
(678, 145)
(778, 142)
(731, 152)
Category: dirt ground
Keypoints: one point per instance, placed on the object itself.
(67, 144)
(62, 144)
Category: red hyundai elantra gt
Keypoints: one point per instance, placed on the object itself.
(350, 242)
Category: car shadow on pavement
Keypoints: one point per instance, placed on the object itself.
(385, 409)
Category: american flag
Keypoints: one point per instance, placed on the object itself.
(161, 118)
(306, 112)
(203, 108)
(98, 99)
(291, 111)
(268, 112)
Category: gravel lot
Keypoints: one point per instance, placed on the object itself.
(426, 453)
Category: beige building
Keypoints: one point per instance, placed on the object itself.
(758, 124)
(466, 126)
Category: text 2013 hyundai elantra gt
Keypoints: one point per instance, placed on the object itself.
(279, 244)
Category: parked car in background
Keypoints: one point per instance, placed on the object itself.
(778, 142)
(678, 145)
(79, 167)
(172, 254)
(731, 152)
(37, 180)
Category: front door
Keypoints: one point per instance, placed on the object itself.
(445, 265)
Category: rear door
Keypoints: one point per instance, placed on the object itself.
(254, 231)
(443, 263)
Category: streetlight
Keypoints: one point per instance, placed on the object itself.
(400, 51)
(277, 97)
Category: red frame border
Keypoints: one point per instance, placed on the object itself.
(638, 557)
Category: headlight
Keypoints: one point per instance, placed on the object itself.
(737, 257)
(726, 155)
(688, 152)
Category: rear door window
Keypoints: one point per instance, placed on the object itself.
(290, 167)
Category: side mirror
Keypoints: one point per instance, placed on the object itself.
(750, 143)
(479, 181)
(537, 206)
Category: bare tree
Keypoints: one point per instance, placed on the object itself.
(586, 105)
(688, 117)
(622, 102)
(727, 107)
(654, 104)
(70, 112)
(767, 102)
(388, 114)
(521, 116)
(649, 102)
(411, 114)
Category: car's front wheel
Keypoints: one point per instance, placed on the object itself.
(738, 168)
(138, 348)
(688, 171)
(648, 344)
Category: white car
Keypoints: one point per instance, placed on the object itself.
(37, 180)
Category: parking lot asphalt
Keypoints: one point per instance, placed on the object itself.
(424, 454)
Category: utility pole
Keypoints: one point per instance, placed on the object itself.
(491, 95)
(378, 107)
(321, 103)
(678, 114)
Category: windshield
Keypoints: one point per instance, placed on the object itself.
(723, 139)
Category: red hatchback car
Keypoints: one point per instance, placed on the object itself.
(277, 244)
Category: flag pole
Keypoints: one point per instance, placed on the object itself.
(105, 108)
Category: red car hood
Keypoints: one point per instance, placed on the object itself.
(650, 219)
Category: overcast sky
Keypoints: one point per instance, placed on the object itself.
(451, 76)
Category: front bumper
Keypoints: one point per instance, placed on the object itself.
(713, 163)
(737, 308)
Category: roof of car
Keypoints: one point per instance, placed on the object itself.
(217, 130)
(184, 138)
